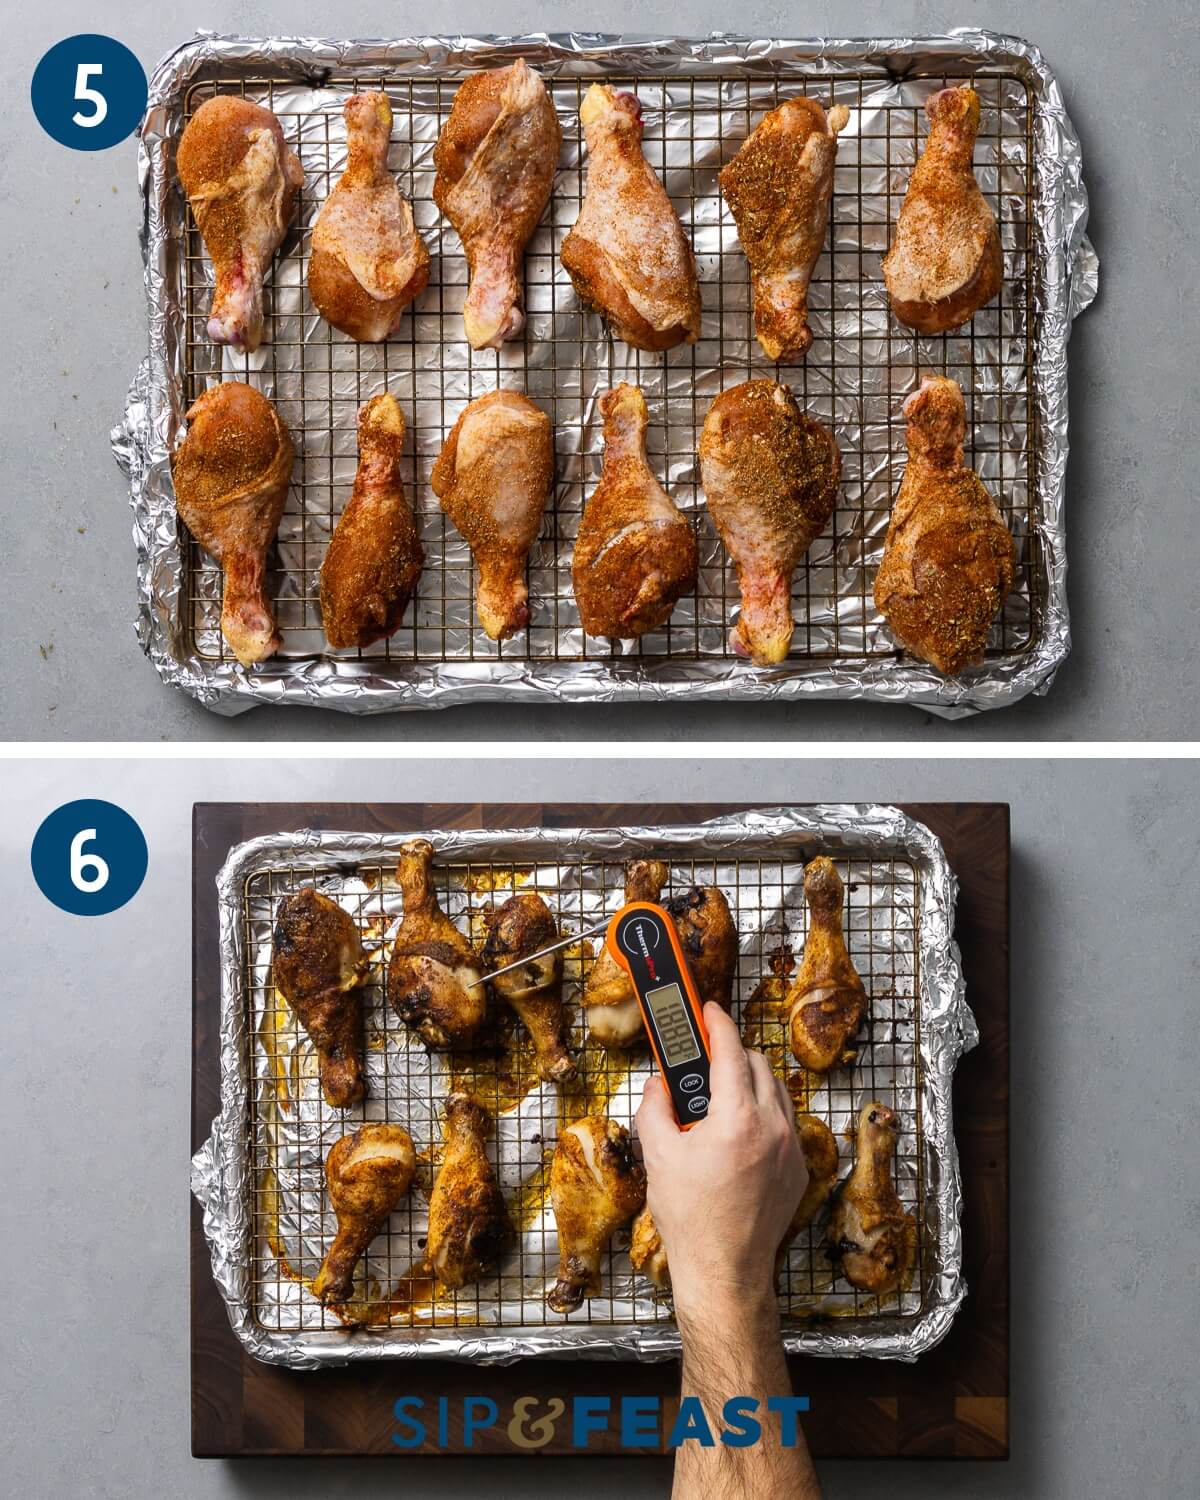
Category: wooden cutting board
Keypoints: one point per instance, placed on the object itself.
(953, 1403)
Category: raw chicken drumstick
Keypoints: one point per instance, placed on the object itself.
(610, 1003)
(496, 158)
(770, 478)
(948, 559)
(375, 556)
(241, 179)
(870, 1238)
(596, 1186)
(524, 925)
(469, 1226)
(493, 476)
(231, 476)
(432, 977)
(945, 262)
(826, 1000)
(368, 261)
(367, 1174)
(635, 555)
(319, 966)
(627, 253)
(778, 188)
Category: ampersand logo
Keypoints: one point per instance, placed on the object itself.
(540, 1431)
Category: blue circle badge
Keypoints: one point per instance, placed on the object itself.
(89, 92)
(89, 858)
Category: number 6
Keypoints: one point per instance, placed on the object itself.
(81, 863)
(89, 96)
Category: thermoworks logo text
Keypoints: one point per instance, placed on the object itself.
(637, 1421)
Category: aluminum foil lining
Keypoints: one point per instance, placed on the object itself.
(912, 955)
(700, 97)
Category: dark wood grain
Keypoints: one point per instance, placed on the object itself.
(953, 1403)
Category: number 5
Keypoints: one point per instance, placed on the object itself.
(90, 96)
(82, 864)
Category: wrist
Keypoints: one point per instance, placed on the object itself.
(724, 1304)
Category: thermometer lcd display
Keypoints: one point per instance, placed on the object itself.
(674, 1027)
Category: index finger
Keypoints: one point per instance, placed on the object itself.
(730, 1072)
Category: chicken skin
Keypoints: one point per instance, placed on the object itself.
(433, 977)
(495, 159)
(367, 1174)
(241, 179)
(635, 555)
(493, 476)
(948, 559)
(609, 1000)
(627, 254)
(375, 556)
(778, 188)
(524, 925)
(770, 479)
(826, 1000)
(469, 1226)
(319, 966)
(368, 262)
(596, 1187)
(870, 1238)
(231, 475)
(945, 262)
(709, 940)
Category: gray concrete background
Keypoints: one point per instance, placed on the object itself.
(94, 1080)
(75, 332)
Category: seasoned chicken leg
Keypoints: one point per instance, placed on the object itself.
(596, 1186)
(434, 972)
(496, 158)
(368, 262)
(709, 940)
(945, 262)
(627, 254)
(870, 1238)
(770, 478)
(319, 966)
(469, 1227)
(231, 476)
(610, 1004)
(948, 559)
(241, 179)
(524, 925)
(635, 555)
(375, 556)
(493, 476)
(778, 188)
(367, 1174)
(826, 1000)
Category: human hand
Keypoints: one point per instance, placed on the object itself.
(723, 1193)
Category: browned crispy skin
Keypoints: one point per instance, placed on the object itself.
(319, 966)
(367, 1174)
(231, 475)
(596, 1186)
(948, 560)
(469, 1226)
(610, 1004)
(521, 926)
(870, 1238)
(826, 1000)
(709, 940)
(375, 556)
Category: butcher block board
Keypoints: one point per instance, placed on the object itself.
(953, 1403)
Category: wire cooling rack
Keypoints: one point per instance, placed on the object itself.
(861, 366)
(291, 1129)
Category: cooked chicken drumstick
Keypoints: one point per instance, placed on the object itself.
(367, 1174)
(496, 158)
(231, 476)
(948, 560)
(469, 1226)
(945, 262)
(709, 939)
(627, 254)
(375, 556)
(493, 476)
(610, 1002)
(241, 179)
(524, 925)
(870, 1238)
(596, 1186)
(368, 262)
(635, 555)
(826, 1000)
(432, 969)
(770, 479)
(779, 188)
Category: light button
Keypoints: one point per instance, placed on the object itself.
(690, 1082)
(698, 1105)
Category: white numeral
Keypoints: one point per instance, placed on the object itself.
(88, 871)
(86, 95)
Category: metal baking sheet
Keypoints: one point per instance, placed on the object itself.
(700, 98)
(260, 1175)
